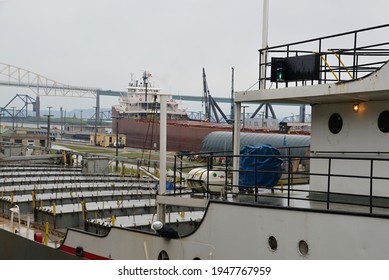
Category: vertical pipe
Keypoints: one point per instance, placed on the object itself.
(48, 131)
(117, 145)
(265, 23)
(62, 124)
(232, 94)
(37, 111)
(162, 148)
(162, 156)
(98, 106)
(95, 136)
(236, 149)
(265, 28)
(13, 118)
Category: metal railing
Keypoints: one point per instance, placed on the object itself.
(344, 56)
(300, 186)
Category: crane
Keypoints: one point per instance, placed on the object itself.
(211, 106)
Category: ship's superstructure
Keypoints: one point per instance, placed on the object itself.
(142, 101)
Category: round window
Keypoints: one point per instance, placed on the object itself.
(163, 255)
(335, 123)
(273, 243)
(383, 121)
(303, 248)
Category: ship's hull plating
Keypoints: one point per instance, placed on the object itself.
(181, 135)
(231, 231)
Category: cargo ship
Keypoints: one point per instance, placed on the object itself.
(137, 116)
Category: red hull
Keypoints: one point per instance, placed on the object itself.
(181, 135)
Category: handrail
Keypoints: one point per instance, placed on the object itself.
(295, 180)
(327, 37)
(363, 58)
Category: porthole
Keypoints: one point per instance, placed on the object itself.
(163, 256)
(79, 251)
(303, 248)
(272, 243)
(335, 123)
(383, 122)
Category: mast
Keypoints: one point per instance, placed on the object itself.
(145, 82)
(265, 45)
(162, 156)
(265, 31)
(238, 105)
(232, 95)
(206, 97)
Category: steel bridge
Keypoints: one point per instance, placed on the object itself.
(43, 86)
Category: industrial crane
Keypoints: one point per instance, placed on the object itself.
(211, 107)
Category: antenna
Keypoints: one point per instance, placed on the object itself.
(145, 82)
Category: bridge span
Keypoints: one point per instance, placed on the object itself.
(43, 86)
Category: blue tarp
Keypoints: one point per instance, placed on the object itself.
(169, 186)
(262, 171)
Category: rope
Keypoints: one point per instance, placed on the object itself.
(151, 123)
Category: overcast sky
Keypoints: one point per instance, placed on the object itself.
(99, 43)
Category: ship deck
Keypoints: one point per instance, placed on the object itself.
(28, 232)
(298, 197)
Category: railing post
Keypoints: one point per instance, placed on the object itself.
(209, 166)
(174, 174)
(289, 176)
(260, 78)
(339, 71)
(328, 183)
(287, 55)
(255, 179)
(321, 78)
(354, 57)
(226, 180)
(181, 173)
(371, 186)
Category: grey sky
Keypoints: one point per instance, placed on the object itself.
(100, 43)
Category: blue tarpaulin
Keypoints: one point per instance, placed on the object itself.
(169, 186)
(258, 169)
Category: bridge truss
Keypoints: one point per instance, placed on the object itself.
(41, 85)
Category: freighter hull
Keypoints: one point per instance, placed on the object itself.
(181, 135)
